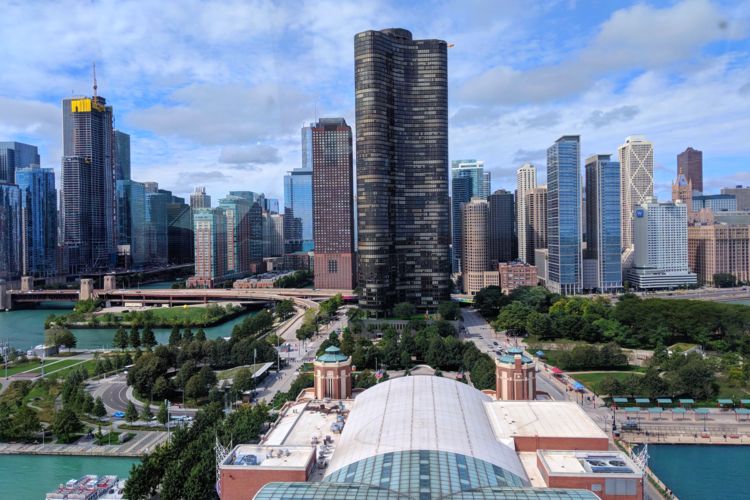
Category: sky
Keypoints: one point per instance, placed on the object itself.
(215, 94)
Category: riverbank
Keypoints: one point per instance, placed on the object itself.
(139, 446)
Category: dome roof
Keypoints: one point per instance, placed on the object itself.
(332, 355)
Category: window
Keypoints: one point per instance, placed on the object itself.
(333, 266)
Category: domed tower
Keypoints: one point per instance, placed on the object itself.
(333, 374)
(515, 376)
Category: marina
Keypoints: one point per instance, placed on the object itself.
(89, 487)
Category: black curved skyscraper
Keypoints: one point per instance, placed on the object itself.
(403, 209)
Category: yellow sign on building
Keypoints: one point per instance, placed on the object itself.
(80, 105)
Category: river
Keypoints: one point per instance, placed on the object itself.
(702, 472)
(29, 477)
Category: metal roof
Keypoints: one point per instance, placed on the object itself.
(332, 355)
(620, 400)
(687, 401)
(664, 401)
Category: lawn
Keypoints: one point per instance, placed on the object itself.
(225, 374)
(90, 365)
(593, 379)
(183, 315)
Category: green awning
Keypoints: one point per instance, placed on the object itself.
(742, 411)
(655, 409)
(702, 411)
(620, 400)
(687, 401)
(642, 401)
(679, 410)
(664, 401)
(632, 409)
(725, 401)
(745, 401)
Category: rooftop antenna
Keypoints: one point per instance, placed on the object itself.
(93, 70)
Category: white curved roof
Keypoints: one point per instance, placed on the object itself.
(422, 413)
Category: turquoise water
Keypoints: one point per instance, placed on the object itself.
(702, 472)
(24, 328)
(743, 302)
(29, 477)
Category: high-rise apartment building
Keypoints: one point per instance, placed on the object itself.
(474, 169)
(38, 220)
(486, 184)
(333, 204)
(501, 224)
(273, 235)
(525, 183)
(660, 237)
(132, 242)
(636, 181)
(15, 156)
(122, 156)
(402, 169)
(564, 215)
(298, 210)
(10, 231)
(157, 224)
(180, 231)
(741, 195)
(210, 232)
(236, 209)
(199, 198)
(88, 205)
(536, 221)
(719, 248)
(690, 164)
(256, 202)
(477, 270)
(462, 192)
(603, 222)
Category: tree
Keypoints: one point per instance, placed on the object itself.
(513, 317)
(404, 310)
(25, 422)
(66, 424)
(146, 414)
(99, 410)
(449, 310)
(163, 414)
(149, 339)
(135, 338)
(725, 280)
(131, 413)
(489, 300)
(243, 379)
(175, 337)
(284, 309)
(120, 339)
(539, 325)
(195, 388)
(58, 336)
(187, 335)
(200, 335)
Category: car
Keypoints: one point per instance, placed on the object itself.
(495, 343)
(119, 414)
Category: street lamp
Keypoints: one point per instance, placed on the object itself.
(614, 418)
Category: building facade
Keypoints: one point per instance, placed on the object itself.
(210, 233)
(636, 181)
(236, 210)
(157, 224)
(536, 222)
(603, 222)
(132, 242)
(10, 232)
(122, 156)
(690, 164)
(333, 374)
(660, 233)
(477, 271)
(719, 248)
(88, 203)
(715, 202)
(38, 221)
(402, 169)
(199, 198)
(516, 274)
(525, 183)
(179, 231)
(298, 210)
(334, 262)
(741, 195)
(462, 191)
(564, 216)
(15, 156)
(515, 376)
(501, 227)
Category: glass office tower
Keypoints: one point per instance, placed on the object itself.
(298, 207)
(564, 215)
(38, 220)
(10, 231)
(15, 156)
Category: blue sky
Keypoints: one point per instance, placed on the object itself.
(215, 93)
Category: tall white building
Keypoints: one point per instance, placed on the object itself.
(660, 239)
(636, 181)
(525, 183)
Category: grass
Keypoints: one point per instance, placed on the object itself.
(230, 373)
(593, 379)
(89, 364)
(182, 315)
(56, 365)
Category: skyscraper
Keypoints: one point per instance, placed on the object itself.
(402, 169)
(741, 194)
(273, 234)
(525, 182)
(210, 230)
(236, 210)
(660, 236)
(199, 198)
(500, 225)
(463, 190)
(477, 270)
(474, 169)
(38, 220)
(10, 231)
(536, 221)
(690, 164)
(157, 232)
(122, 156)
(256, 203)
(14, 156)
(88, 184)
(333, 204)
(636, 181)
(298, 208)
(132, 233)
(564, 215)
(180, 231)
(603, 221)
(486, 184)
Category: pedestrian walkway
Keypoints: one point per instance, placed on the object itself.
(140, 445)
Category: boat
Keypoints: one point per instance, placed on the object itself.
(89, 487)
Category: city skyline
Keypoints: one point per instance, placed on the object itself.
(188, 130)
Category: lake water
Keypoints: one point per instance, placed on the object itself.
(703, 472)
(29, 477)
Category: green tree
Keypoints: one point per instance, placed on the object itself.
(449, 310)
(120, 339)
(135, 338)
(160, 388)
(25, 423)
(513, 318)
(187, 335)
(59, 336)
(146, 413)
(539, 325)
(200, 335)
(175, 337)
(131, 413)
(404, 310)
(725, 280)
(66, 424)
(195, 387)
(149, 339)
(162, 415)
(243, 379)
(99, 410)
(284, 309)
(488, 301)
